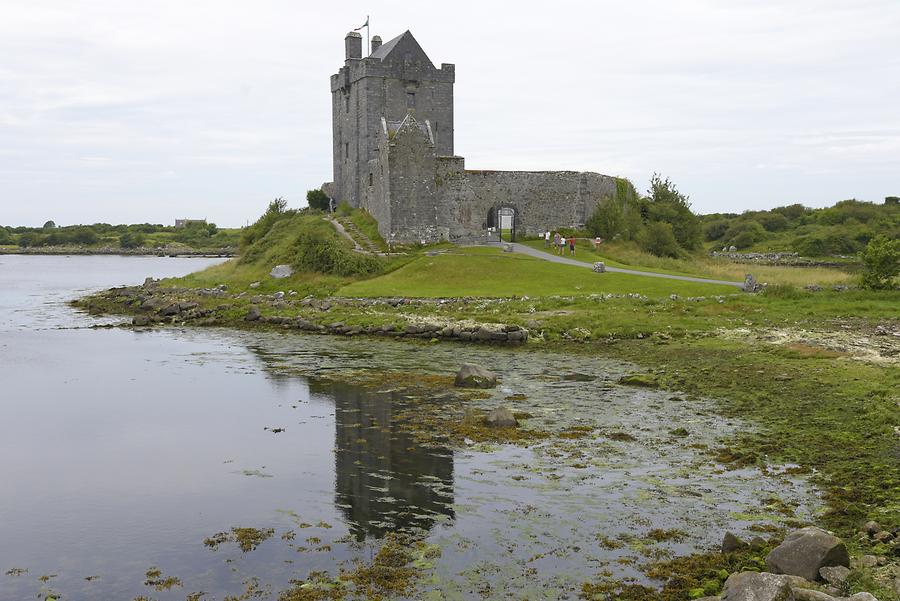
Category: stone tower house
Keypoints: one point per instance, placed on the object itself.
(393, 156)
(397, 78)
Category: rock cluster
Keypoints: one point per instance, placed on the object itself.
(809, 565)
(772, 258)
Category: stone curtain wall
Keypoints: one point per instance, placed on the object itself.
(461, 200)
(542, 199)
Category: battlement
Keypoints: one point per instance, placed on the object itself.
(393, 155)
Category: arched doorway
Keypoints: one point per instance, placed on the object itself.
(502, 222)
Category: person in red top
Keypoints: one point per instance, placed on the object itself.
(572, 246)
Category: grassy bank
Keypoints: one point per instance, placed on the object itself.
(628, 255)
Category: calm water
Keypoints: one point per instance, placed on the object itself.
(121, 450)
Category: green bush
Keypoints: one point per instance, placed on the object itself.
(606, 220)
(323, 252)
(318, 200)
(825, 243)
(881, 262)
(130, 240)
(659, 239)
(714, 230)
(5, 236)
(744, 234)
(666, 203)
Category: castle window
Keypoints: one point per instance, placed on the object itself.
(370, 180)
(346, 150)
(347, 103)
(410, 100)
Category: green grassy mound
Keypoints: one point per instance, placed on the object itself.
(322, 259)
(488, 272)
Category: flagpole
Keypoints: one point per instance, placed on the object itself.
(368, 42)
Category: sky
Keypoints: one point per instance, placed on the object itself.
(126, 112)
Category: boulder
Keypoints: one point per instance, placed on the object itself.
(484, 333)
(835, 575)
(731, 543)
(872, 527)
(862, 597)
(507, 248)
(475, 376)
(599, 267)
(757, 586)
(806, 551)
(253, 314)
(254, 284)
(281, 271)
(501, 417)
(140, 320)
(750, 284)
(808, 594)
(170, 310)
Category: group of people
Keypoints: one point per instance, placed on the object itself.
(559, 243)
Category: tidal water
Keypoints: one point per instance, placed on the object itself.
(122, 450)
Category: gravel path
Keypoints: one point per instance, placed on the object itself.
(527, 250)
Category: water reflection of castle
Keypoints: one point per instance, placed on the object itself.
(385, 480)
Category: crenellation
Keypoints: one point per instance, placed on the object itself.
(394, 156)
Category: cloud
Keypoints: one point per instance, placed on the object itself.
(115, 111)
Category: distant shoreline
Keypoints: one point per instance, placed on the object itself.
(135, 252)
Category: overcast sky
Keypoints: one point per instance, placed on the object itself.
(147, 111)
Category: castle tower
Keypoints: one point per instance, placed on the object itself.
(397, 78)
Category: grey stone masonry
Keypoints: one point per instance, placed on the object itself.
(393, 156)
(396, 78)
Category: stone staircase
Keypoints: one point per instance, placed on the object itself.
(362, 241)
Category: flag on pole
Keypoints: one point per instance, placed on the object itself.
(366, 24)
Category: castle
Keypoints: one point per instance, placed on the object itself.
(393, 156)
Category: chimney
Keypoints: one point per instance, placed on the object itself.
(353, 45)
(376, 43)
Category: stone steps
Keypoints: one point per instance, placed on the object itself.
(358, 236)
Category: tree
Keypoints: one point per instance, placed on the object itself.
(49, 225)
(665, 203)
(606, 220)
(881, 263)
(659, 239)
(316, 199)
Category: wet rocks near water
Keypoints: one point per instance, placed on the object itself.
(471, 375)
(806, 551)
(253, 314)
(501, 417)
(731, 543)
(281, 271)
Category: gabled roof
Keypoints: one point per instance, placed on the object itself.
(392, 128)
(406, 40)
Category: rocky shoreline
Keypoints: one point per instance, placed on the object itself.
(811, 564)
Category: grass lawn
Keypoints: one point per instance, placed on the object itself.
(488, 272)
(629, 256)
